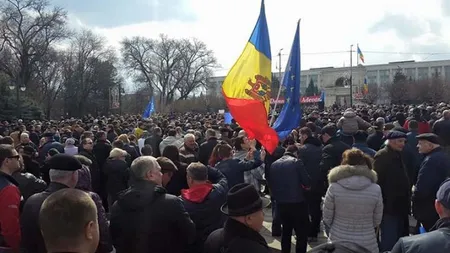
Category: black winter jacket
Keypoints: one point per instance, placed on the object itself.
(146, 219)
(203, 203)
(235, 237)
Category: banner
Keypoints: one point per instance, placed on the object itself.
(114, 98)
(303, 100)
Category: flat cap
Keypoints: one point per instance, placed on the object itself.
(429, 137)
(392, 135)
(64, 162)
(443, 194)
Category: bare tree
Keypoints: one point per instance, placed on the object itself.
(197, 63)
(28, 29)
(49, 72)
(169, 66)
(85, 65)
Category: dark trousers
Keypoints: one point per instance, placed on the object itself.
(314, 201)
(392, 228)
(276, 221)
(294, 216)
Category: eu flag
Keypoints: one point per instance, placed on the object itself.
(150, 109)
(291, 113)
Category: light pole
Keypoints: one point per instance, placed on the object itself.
(15, 85)
(351, 75)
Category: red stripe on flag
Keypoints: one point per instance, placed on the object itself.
(252, 117)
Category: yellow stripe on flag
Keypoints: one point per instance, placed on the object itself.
(250, 77)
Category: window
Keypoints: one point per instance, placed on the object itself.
(436, 71)
(385, 76)
(447, 73)
(372, 77)
(410, 73)
(423, 73)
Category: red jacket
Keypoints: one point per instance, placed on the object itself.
(9, 212)
(424, 127)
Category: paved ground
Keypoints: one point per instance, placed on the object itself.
(275, 242)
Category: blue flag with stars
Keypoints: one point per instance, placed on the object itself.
(150, 109)
(291, 113)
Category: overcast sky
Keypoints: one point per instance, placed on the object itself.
(405, 26)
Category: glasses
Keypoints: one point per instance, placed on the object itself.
(89, 143)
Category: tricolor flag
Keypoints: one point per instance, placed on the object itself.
(247, 87)
(360, 54)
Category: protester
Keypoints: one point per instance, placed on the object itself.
(436, 241)
(395, 186)
(434, 169)
(289, 195)
(9, 198)
(207, 192)
(244, 208)
(68, 221)
(63, 174)
(353, 205)
(145, 210)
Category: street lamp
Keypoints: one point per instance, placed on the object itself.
(14, 85)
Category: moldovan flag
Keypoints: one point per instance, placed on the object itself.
(247, 86)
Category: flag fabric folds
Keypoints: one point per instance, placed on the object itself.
(247, 87)
(366, 86)
(149, 109)
(360, 54)
(291, 113)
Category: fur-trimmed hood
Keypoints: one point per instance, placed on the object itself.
(353, 177)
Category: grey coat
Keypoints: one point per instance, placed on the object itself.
(353, 206)
(350, 123)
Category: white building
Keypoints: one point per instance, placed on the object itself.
(380, 75)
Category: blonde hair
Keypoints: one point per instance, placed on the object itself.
(117, 152)
(124, 138)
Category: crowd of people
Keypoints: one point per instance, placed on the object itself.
(192, 183)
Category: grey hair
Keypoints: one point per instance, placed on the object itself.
(210, 133)
(187, 136)
(56, 175)
(24, 134)
(142, 165)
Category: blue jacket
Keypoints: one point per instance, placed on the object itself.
(233, 169)
(47, 146)
(203, 203)
(288, 180)
(434, 169)
(364, 148)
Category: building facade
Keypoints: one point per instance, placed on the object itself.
(335, 81)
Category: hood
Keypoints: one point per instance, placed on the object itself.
(353, 177)
(349, 114)
(84, 179)
(197, 194)
(313, 141)
(139, 195)
(169, 140)
(240, 155)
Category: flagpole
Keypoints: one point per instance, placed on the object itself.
(272, 117)
(351, 75)
(357, 55)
